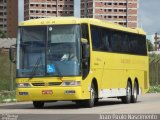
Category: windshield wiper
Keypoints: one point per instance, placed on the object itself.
(35, 67)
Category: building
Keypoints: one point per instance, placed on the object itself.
(12, 18)
(155, 40)
(9, 17)
(3, 15)
(47, 8)
(123, 12)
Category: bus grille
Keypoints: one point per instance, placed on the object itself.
(54, 83)
(47, 84)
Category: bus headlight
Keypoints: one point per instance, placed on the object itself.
(23, 85)
(71, 83)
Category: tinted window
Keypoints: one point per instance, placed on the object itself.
(104, 39)
(96, 38)
(84, 31)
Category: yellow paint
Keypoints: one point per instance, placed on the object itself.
(111, 70)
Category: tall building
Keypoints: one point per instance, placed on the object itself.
(3, 15)
(123, 12)
(47, 8)
(12, 18)
(9, 17)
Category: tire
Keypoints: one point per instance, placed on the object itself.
(38, 104)
(134, 93)
(127, 99)
(90, 103)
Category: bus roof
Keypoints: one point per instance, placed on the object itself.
(74, 20)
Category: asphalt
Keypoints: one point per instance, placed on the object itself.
(66, 110)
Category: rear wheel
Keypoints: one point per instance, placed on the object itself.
(134, 93)
(127, 99)
(38, 104)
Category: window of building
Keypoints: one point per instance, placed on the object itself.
(109, 3)
(109, 10)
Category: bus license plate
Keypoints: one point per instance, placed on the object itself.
(44, 92)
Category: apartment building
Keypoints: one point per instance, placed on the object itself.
(3, 15)
(47, 8)
(9, 17)
(123, 12)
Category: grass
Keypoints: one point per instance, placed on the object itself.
(5, 71)
(7, 96)
(154, 89)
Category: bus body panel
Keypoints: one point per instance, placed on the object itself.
(110, 70)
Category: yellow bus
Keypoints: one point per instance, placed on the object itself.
(80, 60)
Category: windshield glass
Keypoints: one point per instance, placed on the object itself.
(48, 51)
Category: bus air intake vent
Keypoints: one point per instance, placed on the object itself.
(38, 84)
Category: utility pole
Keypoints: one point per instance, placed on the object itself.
(77, 8)
(85, 9)
(126, 13)
(56, 8)
(20, 10)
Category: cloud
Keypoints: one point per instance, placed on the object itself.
(149, 15)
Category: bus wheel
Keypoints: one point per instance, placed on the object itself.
(134, 93)
(38, 104)
(91, 101)
(127, 99)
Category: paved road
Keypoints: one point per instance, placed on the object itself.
(147, 104)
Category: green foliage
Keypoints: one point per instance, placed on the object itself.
(154, 56)
(2, 34)
(154, 89)
(154, 69)
(150, 46)
(5, 71)
(7, 96)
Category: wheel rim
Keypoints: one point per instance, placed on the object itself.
(92, 95)
(128, 92)
(135, 92)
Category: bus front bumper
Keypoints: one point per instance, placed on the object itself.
(49, 93)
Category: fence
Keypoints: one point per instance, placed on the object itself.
(154, 67)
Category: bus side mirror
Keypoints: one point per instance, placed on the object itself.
(12, 54)
(85, 48)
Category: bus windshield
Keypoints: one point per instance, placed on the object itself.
(48, 51)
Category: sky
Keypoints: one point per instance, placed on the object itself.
(149, 16)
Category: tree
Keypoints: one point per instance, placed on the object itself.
(2, 34)
(150, 45)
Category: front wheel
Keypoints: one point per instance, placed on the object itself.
(91, 101)
(127, 99)
(38, 104)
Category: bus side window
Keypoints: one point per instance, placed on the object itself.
(116, 42)
(96, 38)
(106, 40)
(84, 31)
